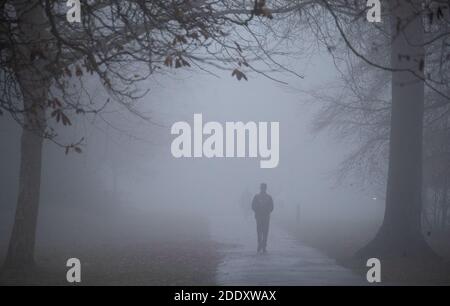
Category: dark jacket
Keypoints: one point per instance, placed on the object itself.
(262, 205)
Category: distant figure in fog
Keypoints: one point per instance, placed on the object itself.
(262, 205)
(244, 203)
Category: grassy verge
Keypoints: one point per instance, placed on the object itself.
(342, 239)
(155, 249)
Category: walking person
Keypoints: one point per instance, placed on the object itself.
(262, 205)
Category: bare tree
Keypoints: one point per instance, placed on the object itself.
(392, 125)
(45, 61)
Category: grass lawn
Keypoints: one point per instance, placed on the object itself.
(154, 249)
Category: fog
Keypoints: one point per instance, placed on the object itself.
(126, 188)
(99, 120)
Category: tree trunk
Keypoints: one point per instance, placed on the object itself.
(400, 234)
(21, 245)
(444, 212)
(34, 82)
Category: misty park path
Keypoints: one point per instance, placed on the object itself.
(287, 262)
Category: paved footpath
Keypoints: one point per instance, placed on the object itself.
(287, 262)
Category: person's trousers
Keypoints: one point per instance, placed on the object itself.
(262, 229)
